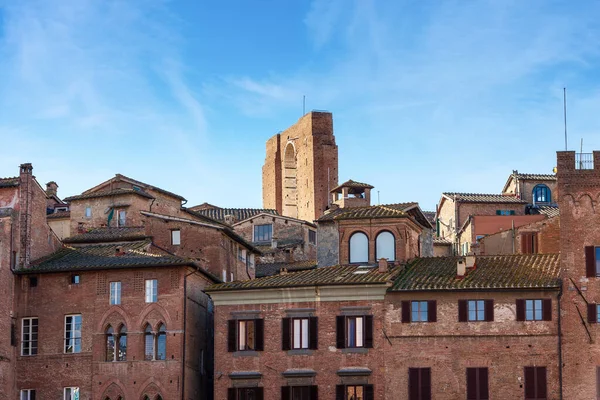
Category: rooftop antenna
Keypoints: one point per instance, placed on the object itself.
(303, 104)
(565, 114)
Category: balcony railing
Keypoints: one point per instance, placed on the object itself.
(584, 161)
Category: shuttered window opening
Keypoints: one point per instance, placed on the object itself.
(529, 243)
(593, 313)
(598, 382)
(245, 335)
(254, 393)
(475, 310)
(535, 383)
(299, 333)
(534, 310)
(477, 384)
(354, 331)
(419, 311)
(592, 261)
(299, 393)
(354, 392)
(419, 384)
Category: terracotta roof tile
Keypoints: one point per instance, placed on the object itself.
(163, 191)
(269, 269)
(115, 192)
(59, 214)
(97, 235)
(523, 271)
(351, 184)
(239, 214)
(9, 182)
(535, 177)
(549, 210)
(380, 211)
(483, 198)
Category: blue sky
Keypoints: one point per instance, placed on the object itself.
(427, 96)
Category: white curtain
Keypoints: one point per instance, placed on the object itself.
(359, 248)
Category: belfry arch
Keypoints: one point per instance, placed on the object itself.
(290, 181)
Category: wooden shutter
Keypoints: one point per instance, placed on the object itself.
(534, 244)
(314, 392)
(592, 311)
(259, 392)
(530, 383)
(463, 310)
(540, 380)
(598, 382)
(520, 310)
(339, 392)
(472, 384)
(489, 310)
(431, 311)
(369, 331)
(547, 309)
(313, 333)
(286, 393)
(259, 333)
(525, 243)
(590, 261)
(484, 393)
(413, 384)
(232, 335)
(231, 394)
(340, 331)
(425, 384)
(286, 336)
(406, 311)
(369, 392)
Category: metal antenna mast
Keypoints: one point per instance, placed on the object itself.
(565, 114)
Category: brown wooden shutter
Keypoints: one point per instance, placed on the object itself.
(340, 392)
(598, 382)
(286, 336)
(286, 393)
(425, 383)
(484, 392)
(406, 311)
(530, 383)
(231, 394)
(547, 309)
(463, 310)
(472, 384)
(520, 310)
(489, 310)
(592, 311)
(314, 392)
(259, 332)
(413, 384)
(369, 331)
(313, 333)
(540, 379)
(369, 392)
(431, 311)
(590, 261)
(259, 392)
(535, 249)
(340, 331)
(524, 243)
(232, 335)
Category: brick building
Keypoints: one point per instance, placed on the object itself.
(536, 189)
(405, 332)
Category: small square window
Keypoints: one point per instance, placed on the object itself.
(476, 310)
(75, 279)
(27, 394)
(533, 310)
(71, 393)
(176, 237)
(33, 281)
(419, 311)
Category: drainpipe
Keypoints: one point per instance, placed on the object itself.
(184, 333)
(560, 358)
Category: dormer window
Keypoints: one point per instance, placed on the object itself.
(263, 233)
(541, 194)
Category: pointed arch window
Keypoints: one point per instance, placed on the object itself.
(116, 344)
(110, 344)
(161, 343)
(155, 343)
(149, 344)
(158, 397)
(122, 353)
(359, 248)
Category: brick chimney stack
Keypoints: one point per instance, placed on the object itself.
(51, 189)
(383, 265)
(25, 206)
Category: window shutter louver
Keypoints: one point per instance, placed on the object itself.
(483, 384)
(369, 392)
(541, 382)
(260, 393)
(313, 338)
(592, 311)
(369, 331)
(340, 331)
(232, 335)
(529, 383)
(431, 311)
(524, 243)
(285, 393)
(520, 310)
(425, 383)
(286, 334)
(406, 311)
(590, 261)
(547, 309)
(489, 310)
(231, 394)
(314, 392)
(472, 384)
(259, 326)
(339, 392)
(413, 384)
(462, 310)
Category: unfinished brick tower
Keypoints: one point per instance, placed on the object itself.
(301, 166)
(579, 191)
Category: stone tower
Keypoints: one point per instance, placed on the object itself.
(578, 196)
(301, 166)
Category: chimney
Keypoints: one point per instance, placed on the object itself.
(229, 219)
(461, 268)
(383, 265)
(283, 271)
(25, 211)
(470, 261)
(51, 189)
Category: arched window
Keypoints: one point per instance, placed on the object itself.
(110, 344)
(541, 194)
(359, 248)
(161, 343)
(146, 397)
(122, 354)
(149, 344)
(158, 397)
(385, 246)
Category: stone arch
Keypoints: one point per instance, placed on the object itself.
(152, 388)
(113, 316)
(290, 181)
(113, 389)
(152, 314)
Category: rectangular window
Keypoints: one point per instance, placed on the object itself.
(533, 310)
(27, 394)
(29, 336)
(355, 332)
(115, 293)
(73, 333)
(419, 311)
(300, 333)
(505, 212)
(263, 233)
(251, 393)
(535, 383)
(597, 260)
(151, 290)
(246, 335)
(88, 212)
(477, 384)
(241, 254)
(175, 237)
(476, 310)
(312, 237)
(75, 279)
(71, 393)
(299, 392)
(419, 384)
(122, 220)
(529, 243)
(354, 392)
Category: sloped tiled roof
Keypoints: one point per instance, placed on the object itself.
(59, 214)
(351, 184)
(522, 271)
(281, 244)
(115, 192)
(548, 210)
(441, 241)
(430, 215)
(483, 198)
(97, 235)
(380, 211)
(337, 275)
(104, 256)
(239, 214)
(9, 182)
(535, 177)
(269, 269)
(147, 186)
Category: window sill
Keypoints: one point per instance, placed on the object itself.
(300, 352)
(355, 350)
(246, 353)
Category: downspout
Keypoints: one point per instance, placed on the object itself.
(184, 333)
(560, 358)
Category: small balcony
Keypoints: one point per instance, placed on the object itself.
(584, 161)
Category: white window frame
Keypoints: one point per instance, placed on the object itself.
(73, 337)
(115, 293)
(359, 331)
(478, 307)
(151, 290)
(300, 333)
(119, 224)
(25, 394)
(88, 212)
(30, 341)
(176, 237)
(422, 311)
(537, 312)
(74, 393)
